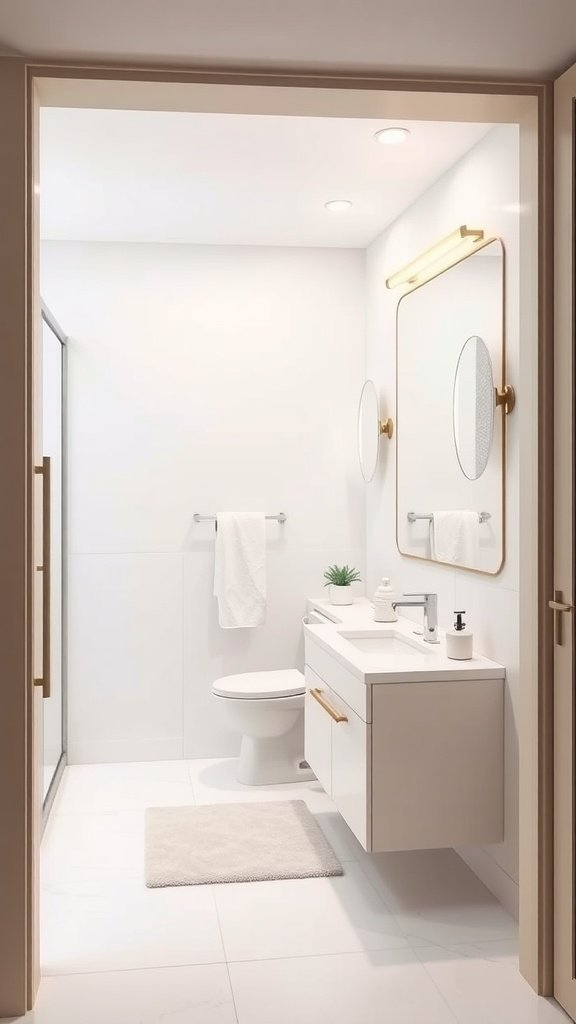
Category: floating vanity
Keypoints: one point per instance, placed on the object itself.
(408, 743)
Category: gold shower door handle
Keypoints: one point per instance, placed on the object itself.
(559, 607)
(334, 714)
(44, 471)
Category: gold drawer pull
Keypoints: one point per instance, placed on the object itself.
(334, 715)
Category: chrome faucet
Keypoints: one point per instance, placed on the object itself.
(429, 603)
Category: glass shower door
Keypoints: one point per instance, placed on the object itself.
(54, 707)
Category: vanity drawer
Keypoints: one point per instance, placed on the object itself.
(317, 734)
(354, 691)
(338, 749)
(351, 762)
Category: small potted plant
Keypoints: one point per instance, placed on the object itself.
(339, 578)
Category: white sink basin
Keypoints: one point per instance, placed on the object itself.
(382, 652)
(392, 643)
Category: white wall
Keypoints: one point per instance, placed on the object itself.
(482, 190)
(199, 378)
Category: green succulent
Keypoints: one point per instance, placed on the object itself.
(341, 576)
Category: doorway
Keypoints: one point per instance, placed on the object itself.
(191, 264)
(353, 102)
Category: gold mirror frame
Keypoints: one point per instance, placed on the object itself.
(505, 399)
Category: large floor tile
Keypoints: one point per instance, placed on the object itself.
(93, 847)
(341, 838)
(214, 781)
(498, 950)
(304, 917)
(174, 995)
(436, 898)
(358, 988)
(122, 925)
(483, 985)
(122, 771)
(105, 788)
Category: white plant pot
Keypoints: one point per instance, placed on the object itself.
(341, 595)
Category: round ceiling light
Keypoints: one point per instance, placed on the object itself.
(392, 136)
(337, 205)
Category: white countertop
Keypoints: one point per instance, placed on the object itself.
(430, 661)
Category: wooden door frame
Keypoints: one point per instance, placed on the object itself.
(565, 297)
(18, 76)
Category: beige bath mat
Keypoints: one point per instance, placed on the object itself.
(240, 842)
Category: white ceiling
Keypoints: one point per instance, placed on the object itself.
(467, 37)
(236, 179)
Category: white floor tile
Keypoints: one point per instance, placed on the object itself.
(359, 988)
(123, 925)
(93, 847)
(120, 771)
(304, 917)
(486, 987)
(214, 781)
(173, 995)
(436, 898)
(104, 788)
(342, 840)
(415, 932)
(498, 951)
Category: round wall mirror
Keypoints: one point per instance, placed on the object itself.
(370, 428)
(473, 407)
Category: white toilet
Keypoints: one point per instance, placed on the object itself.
(268, 709)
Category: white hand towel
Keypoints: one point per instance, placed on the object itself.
(455, 536)
(240, 570)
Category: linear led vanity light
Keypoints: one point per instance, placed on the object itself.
(439, 257)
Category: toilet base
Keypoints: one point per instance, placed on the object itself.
(262, 763)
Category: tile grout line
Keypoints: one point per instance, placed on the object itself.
(444, 998)
(225, 962)
(213, 894)
(131, 970)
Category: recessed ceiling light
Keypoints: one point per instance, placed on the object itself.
(338, 205)
(392, 136)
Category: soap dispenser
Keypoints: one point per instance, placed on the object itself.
(383, 598)
(458, 642)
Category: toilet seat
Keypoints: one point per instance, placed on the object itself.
(261, 685)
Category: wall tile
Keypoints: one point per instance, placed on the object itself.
(125, 657)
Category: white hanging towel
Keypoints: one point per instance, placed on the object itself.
(455, 536)
(240, 570)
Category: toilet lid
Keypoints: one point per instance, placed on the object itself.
(283, 683)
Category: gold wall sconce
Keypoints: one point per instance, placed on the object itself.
(506, 397)
(387, 427)
(439, 257)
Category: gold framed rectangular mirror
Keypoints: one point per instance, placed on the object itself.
(451, 406)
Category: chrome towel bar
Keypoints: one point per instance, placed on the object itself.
(413, 516)
(280, 518)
